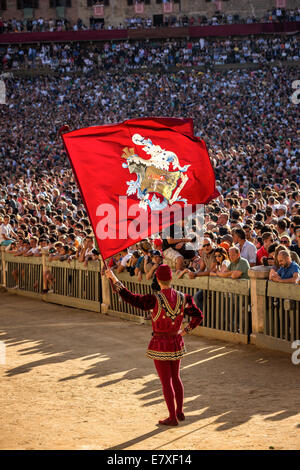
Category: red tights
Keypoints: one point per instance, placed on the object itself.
(169, 374)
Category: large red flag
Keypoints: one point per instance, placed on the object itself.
(133, 175)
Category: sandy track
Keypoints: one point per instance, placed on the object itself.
(78, 380)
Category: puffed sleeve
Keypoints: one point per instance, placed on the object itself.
(144, 302)
(193, 311)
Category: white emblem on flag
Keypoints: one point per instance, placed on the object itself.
(154, 175)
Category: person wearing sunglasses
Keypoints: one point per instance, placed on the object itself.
(208, 260)
(286, 241)
(222, 261)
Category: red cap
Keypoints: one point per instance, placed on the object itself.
(164, 273)
(157, 242)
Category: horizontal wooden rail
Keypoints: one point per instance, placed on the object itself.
(226, 303)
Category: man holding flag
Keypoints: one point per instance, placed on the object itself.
(172, 172)
(166, 347)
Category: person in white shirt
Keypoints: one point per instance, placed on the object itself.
(248, 250)
(88, 251)
(7, 235)
(34, 249)
(123, 263)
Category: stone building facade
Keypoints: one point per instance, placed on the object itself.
(114, 12)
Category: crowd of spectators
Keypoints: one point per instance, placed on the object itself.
(33, 25)
(218, 18)
(247, 120)
(133, 55)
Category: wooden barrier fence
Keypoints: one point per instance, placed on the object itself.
(255, 311)
(226, 304)
(74, 284)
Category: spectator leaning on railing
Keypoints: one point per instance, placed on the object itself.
(34, 249)
(174, 245)
(7, 235)
(208, 260)
(288, 272)
(193, 267)
(222, 261)
(88, 251)
(143, 264)
(274, 250)
(238, 267)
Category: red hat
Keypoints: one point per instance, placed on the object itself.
(164, 273)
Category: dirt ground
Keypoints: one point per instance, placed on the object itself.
(80, 380)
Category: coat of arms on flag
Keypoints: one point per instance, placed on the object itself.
(154, 175)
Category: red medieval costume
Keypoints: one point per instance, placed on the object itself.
(167, 346)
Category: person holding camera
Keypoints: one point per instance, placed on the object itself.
(176, 247)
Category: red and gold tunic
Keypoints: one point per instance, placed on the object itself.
(168, 309)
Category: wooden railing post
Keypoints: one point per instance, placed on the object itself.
(258, 287)
(106, 301)
(3, 267)
(44, 268)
